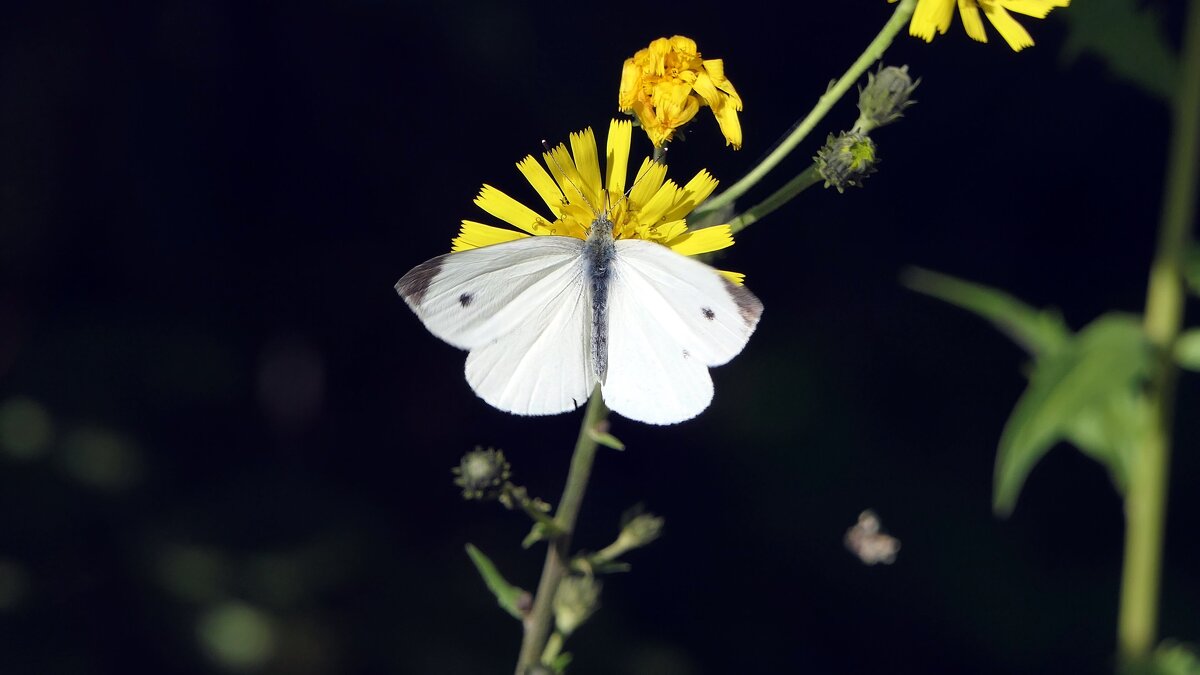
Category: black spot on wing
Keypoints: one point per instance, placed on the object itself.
(749, 306)
(708, 313)
(412, 286)
(465, 299)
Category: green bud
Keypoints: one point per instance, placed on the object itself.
(577, 599)
(482, 474)
(884, 98)
(641, 530)
(846, 159)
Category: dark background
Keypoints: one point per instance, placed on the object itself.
(227, 443)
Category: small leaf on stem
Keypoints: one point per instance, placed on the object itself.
(513, 599)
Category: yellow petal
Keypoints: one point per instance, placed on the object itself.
(475, 235)
(1013, 33)
(562, 167)
(1034, 8)
(724, 109)
(649, 179)
(684, 44)
(704, 240)
(670, 230)
(972, 22)
(736, 277)
(653, 210)
(583, 148)
(716, 71)
(541, 181)
(931, 16)
(508, 209)
(697, 190)
(631, 82)
(616, 156)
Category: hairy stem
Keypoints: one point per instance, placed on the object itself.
(873, 53)
(1146, 501)
(558, 551)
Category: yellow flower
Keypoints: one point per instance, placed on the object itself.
(932, 15)
(666, 83)
(655, 208)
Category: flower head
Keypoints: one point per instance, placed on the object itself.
(932, 15)
(574, 191)
(846, 159)
(482, 474)
(885, 97)
(666, 83)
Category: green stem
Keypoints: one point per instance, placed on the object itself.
(541, 617)
(783, 195)
(1146, 501)
(873, 53)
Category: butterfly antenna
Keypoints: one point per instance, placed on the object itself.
(567, 178)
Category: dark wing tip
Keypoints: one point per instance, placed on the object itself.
(412, 286)
(749, 306)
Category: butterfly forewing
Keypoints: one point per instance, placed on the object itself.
(519, 307)
(473, 297)
(670, 317)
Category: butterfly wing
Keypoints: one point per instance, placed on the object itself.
(670, 318)
(520, 309)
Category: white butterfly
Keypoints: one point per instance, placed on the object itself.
(547, 318)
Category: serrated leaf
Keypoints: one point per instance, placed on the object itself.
(1128, 39)
(1100, 366)
(508, 596)
(1187, 350)
(1039, 332)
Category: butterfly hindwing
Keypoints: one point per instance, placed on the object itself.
(520, 309)
(670, 318)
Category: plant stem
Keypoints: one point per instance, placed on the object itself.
(541, 617)
(783, 195)
(1146, 501)
(873, 53)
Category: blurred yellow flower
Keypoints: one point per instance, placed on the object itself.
(932, 15)
(665, 84)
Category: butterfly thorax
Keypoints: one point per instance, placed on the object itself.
(599, 253)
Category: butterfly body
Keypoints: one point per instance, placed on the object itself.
(546, 319)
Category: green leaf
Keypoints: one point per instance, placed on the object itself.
(1109, 430)
(560, 663)
(1191, 268)
(1073, 394)
(1039, 332)
(1187, 350)
(1128, 39)
(1170, 658)
(510, 597)
(606, 439)
(539, 532)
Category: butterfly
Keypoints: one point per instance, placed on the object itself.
(546, 319)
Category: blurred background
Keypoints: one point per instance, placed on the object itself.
(225, 444)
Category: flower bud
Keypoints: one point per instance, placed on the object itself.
(577, 598)
(482, 474)
(641, 530)
(846, 159)
(884, 98)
